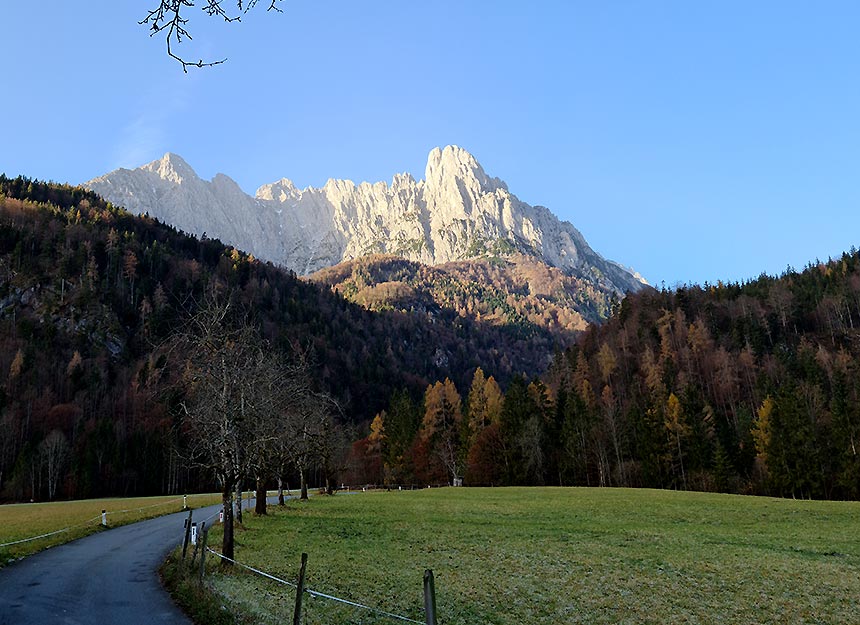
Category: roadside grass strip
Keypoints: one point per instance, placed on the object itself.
(507, 556)
(28, 528)
(315, 594)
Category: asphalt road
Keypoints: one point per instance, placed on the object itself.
(107, 578)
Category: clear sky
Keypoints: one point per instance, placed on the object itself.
(691, 141)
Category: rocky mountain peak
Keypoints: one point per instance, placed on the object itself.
(455, 168)
(279, 191)
(173, 168)
(403, 180)
(458, 212)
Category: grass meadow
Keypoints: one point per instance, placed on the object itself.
(518, 556)
(21, 521)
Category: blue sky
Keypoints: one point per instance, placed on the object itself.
(692, 141)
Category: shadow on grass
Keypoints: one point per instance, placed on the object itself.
(196, 599)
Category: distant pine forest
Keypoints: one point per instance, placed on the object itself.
(749, 388)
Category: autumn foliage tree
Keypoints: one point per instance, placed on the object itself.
(442, 429)
(748, 388)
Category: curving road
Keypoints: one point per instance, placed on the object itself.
(104, 579)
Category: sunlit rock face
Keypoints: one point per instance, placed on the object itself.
(457, 212)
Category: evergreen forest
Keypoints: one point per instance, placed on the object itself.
(750, 387)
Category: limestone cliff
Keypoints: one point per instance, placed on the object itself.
(457, 212)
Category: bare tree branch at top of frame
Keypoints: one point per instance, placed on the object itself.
(169, 18)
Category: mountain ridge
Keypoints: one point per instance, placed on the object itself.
(456, 213)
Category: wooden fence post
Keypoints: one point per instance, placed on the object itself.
(429, 598)
(187, 535)
(300, 590)
(203, 550)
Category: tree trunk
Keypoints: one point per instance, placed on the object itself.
(260, 507)
(681, 461)
(227, 543)
(280, 491)
(32, 480)
(617, 447)
(304, 496)
(239, 502)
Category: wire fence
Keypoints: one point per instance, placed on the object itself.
(316, 594)
(94, 521)
(102, 519)
(205, 525)
(391, 487)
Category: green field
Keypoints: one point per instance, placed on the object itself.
(78, 518)
(552, 555)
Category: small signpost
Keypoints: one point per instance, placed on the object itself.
(186, 535)
(194, 533)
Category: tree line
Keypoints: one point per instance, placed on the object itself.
(88, 293)
(750, 387)
(747, 387)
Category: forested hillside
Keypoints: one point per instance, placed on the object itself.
(749, 388)
(737, 387)
(88, 291)
(520, 292)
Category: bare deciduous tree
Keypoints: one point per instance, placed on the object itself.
(333, 444)
(284, 384)
(54, 453)
(247, 409)
(169, 18)
(222, 357)
(307, 422)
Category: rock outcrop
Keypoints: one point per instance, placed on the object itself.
(456, 213)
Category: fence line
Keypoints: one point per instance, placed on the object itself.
(155, 505)
(250, 499)
(86, 523)
(65, 529)
(25, 540)
(392, 487)
(314, 593)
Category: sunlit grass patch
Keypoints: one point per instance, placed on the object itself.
(554, 555)
(78, 518)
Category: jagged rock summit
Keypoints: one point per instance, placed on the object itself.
(457, 212)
